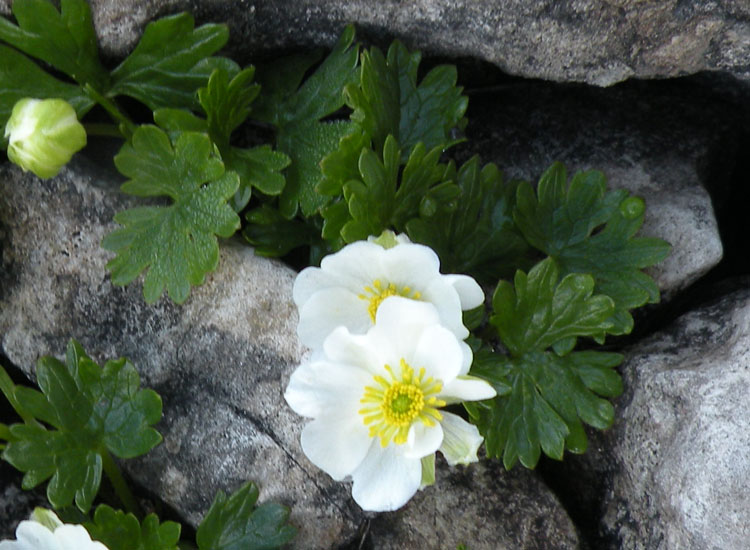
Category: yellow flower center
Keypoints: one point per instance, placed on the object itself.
(392, 406)
(379, 292)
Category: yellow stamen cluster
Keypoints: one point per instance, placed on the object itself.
(379, 292)
(392, 406)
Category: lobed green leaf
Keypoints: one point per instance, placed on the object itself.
(295, 108)
(171, 61)
(587, 229)
(120, 531)
(91, 411)
(176, 243)
(65, 39)
(236, 523)
(473, 231)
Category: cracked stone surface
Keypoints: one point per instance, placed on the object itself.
(656, 144)
(588, 41)
(220, 362)
(677, 453)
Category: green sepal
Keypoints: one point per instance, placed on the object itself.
(171, 62)
(428, 471)
(92, 411)
(176, 243)
(588, 229)
(120, 531)
(236, 523)
(65, 39)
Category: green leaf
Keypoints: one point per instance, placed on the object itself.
(235, 523)
(120, 531)
(227, 105)
(93, 411)
(544, 396)
(589, 230)
(388, 101)
(549, 398)
(273, 235)
(537, 311)
(65, 39)
(379, 199)
(170, 62)
(474, 232)
(296, 112)
(22, 78)
(177, 243)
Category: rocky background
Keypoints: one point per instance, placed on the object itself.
(547, 80)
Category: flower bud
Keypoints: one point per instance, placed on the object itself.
(43, 134)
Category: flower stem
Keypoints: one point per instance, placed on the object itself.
(126, 126)
(96, 129)
(121, 488)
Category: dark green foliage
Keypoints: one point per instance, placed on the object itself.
(120, 531)
(295, 109)
(171, 61)
(545, 392)
(177, 243)
(587, 229)
(236, 523)
(92, 411)
(472, 230)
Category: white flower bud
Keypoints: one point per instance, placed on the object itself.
(43, 134)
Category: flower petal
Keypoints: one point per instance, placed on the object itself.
(467, 388)
(445, 299)
(399, 324)
(414, 265)
(321, 386)
(468, 290)
(386, 479)
(330, 308)
(439, 352)
(336, 443)
(31, 535)
(461, 440)
(356, 350)
(75, 537)
(359, 261)
(423, 440)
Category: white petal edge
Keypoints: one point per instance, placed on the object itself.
(75, 537)
(461, 440)
(328, 309)
(386, 479)
(423, 440)
(336, 443)
(469, 291)
(31, 535)
(439, 352)
(319, 386)
(445, 299)
(359, 261)
(467, 388)
(413, 265)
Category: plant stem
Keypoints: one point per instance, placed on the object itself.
(126, 126)
(96, 129)
(120, 486)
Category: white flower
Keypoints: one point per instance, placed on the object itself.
(46, 532)
(376, 402)
(349, 286)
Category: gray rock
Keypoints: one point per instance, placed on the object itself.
(507, 510)
(677, 454)
(220, 362)
(588, 41)
(667, 143)
(16, 504)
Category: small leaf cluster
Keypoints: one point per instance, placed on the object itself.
(82, 417)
